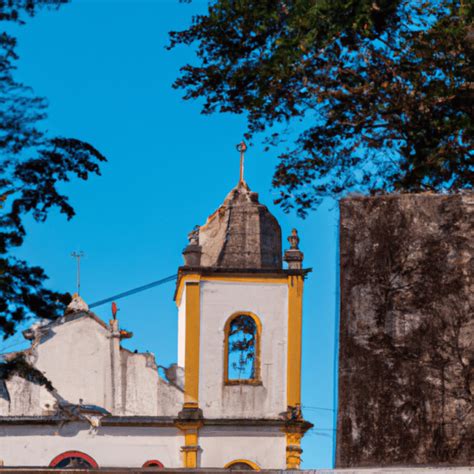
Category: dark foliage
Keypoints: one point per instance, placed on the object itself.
(381, 91)
(20, 366)
(32, 166)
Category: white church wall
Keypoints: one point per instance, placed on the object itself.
(76, 359)
(262, 445)
(28, 445)
(146, 394)
(141, 384)
(24, 397)
(219, 300)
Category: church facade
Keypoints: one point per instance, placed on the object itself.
(233, 400)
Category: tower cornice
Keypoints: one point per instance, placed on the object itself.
(256, 275)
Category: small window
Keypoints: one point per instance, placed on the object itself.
(242, 341)
(73, 459)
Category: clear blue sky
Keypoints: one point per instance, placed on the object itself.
(105, 71)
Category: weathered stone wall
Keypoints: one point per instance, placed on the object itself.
(406, 331)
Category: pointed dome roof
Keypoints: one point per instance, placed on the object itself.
(242, 233)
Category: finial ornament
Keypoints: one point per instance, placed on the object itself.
(193, 236)
(192, 253)
(242, 148)
(294, 240)
(76, 305)
(293, 256)
(114, 310)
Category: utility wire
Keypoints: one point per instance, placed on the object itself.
(107, 300)
(307, 407)
(133, 291)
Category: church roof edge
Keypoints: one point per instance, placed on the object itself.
(219, 271)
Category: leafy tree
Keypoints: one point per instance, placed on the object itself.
(379, 92)
(32, 165)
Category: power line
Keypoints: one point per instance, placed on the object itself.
(108, 300)
(133, 291)
(307, 407)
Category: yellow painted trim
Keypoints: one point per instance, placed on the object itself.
(182, 284)
(293, 450)
(252, 464)
(257, 379)
(226, 278)
(246, 279)
(295, 316)
(190, 449)
(192, 336)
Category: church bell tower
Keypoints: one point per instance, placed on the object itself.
(239, 338)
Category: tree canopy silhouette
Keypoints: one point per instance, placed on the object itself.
(32, 165)
(379, 93)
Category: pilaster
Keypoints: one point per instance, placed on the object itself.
(295, 429)
(116, 368)
(189, 421)
(192, 343)
(295, 307)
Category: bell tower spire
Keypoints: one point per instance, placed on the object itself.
(240, 332)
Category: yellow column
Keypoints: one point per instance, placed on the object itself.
(191, 446)
(294, 433)
(293, 450)
(295, 320)
(191, 357)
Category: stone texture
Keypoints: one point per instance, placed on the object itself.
(242, 233)
(76, 304)
(406, 331)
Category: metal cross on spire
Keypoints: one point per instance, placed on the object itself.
(78, 256)
(242, 147)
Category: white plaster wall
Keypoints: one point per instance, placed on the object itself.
(141, 387)
(219, 300)
(77, 360)
(146, 394)
(25, 399)
(221, 445)
(110, 447)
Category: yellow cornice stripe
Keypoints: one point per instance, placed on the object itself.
(295, 307)
(244, 278)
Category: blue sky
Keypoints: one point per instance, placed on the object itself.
(105, 71)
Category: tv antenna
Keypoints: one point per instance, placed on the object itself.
(78, 256)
